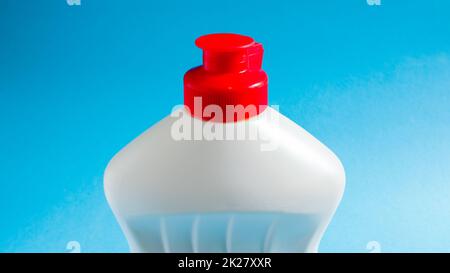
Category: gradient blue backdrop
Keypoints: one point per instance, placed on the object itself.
(79, 82)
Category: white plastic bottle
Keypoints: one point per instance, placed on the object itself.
(205, 180)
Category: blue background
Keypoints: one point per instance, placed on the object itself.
(79, 82)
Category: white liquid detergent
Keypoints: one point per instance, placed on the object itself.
(205, 180)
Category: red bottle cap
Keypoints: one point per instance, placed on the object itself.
(230, 78)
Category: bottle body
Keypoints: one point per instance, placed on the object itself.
(275, 193)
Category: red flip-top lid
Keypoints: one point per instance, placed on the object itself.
(230, 78)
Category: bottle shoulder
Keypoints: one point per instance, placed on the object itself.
(269, 133)
(284, 164)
